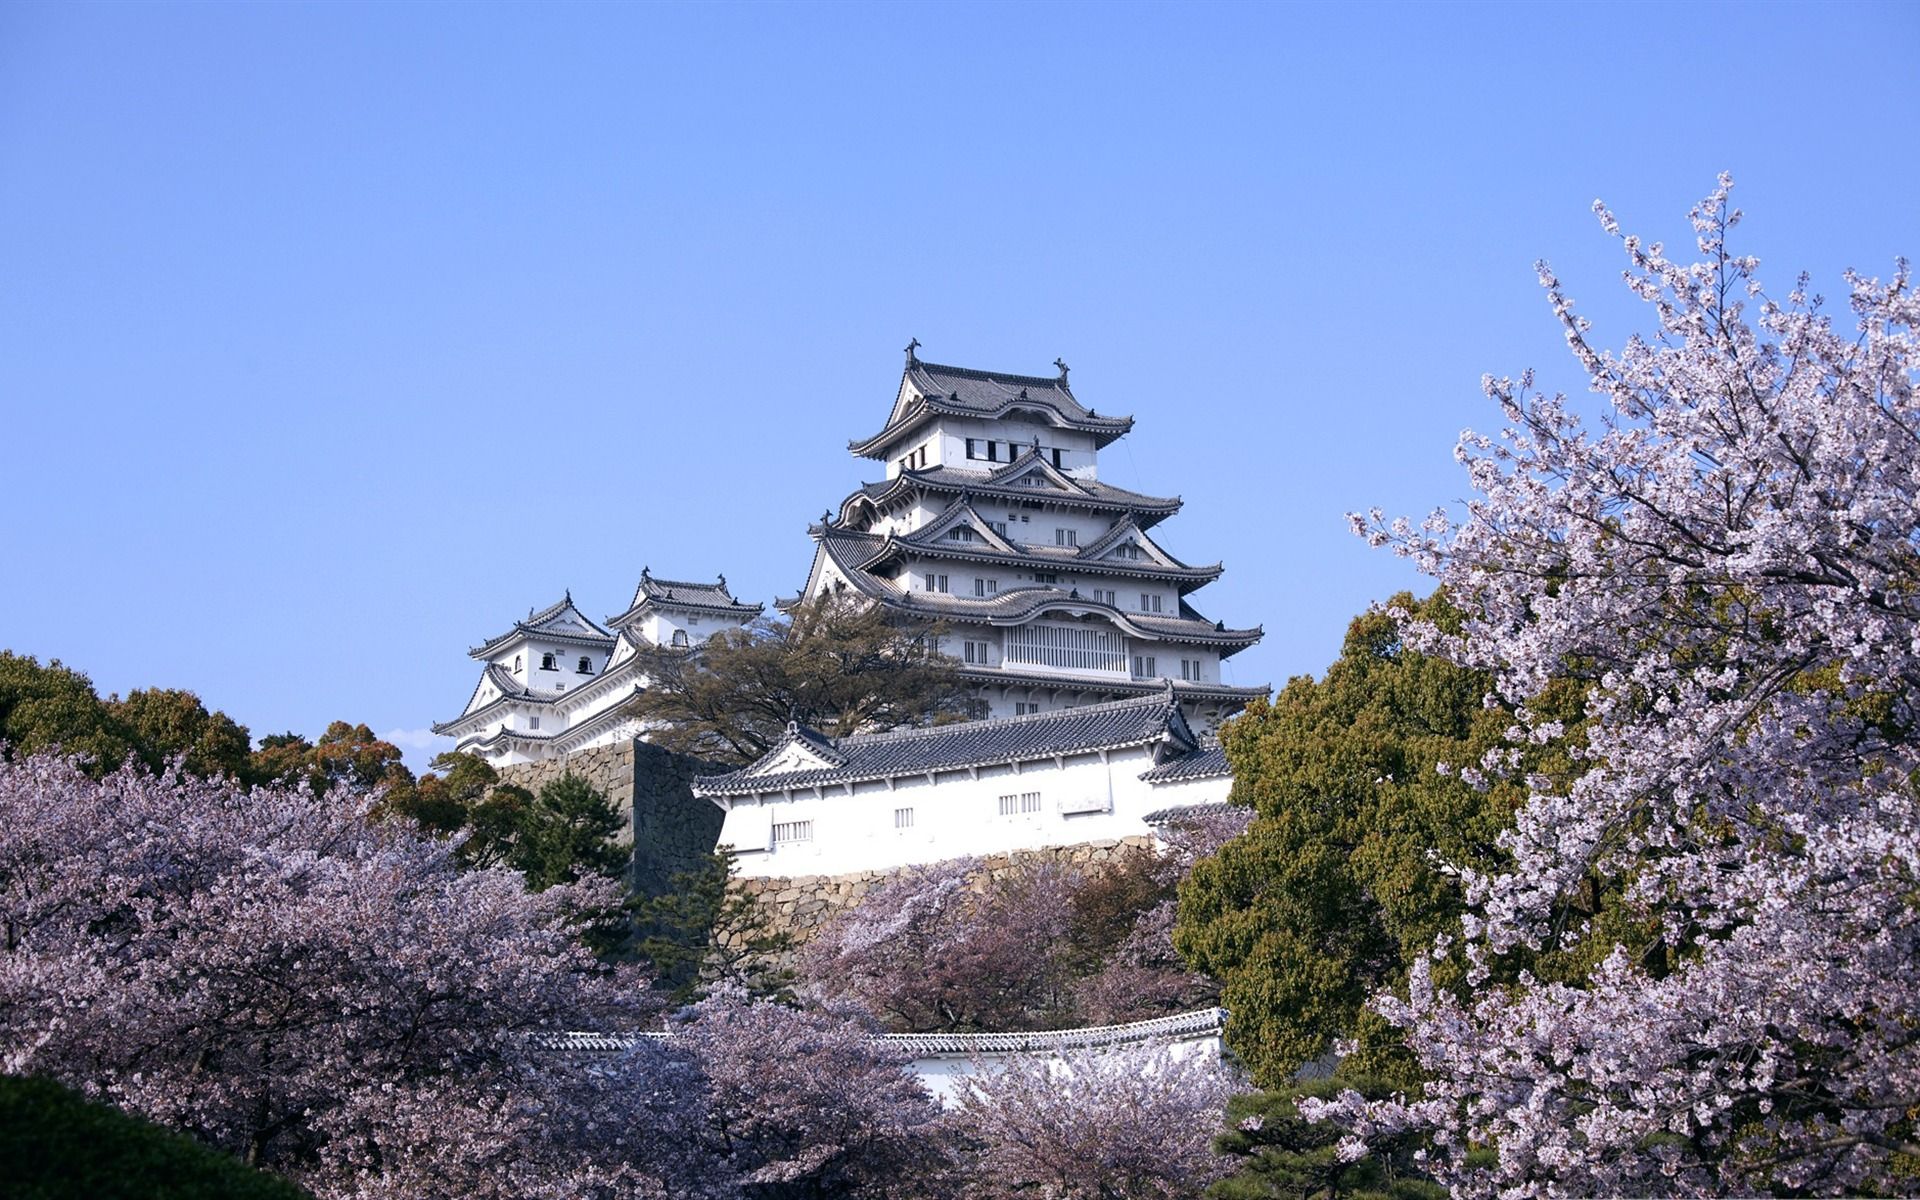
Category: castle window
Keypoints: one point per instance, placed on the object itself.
(1044, 577)
(999, 527)
(547, 664)
(792, 831)
(1022, 708)
(1106, 596)
(1066, 537)
(585, 667)
(936, 583)
(1190, 668)
(1025, 802)
(679, 637)
(993, 451)
(972, 448)
(1143, 666)
(1056, 458)
(986, 587)
(516, 664)
(533, 722)
(903, 818)
(976, 653)
(960, 533)
(1149, 602)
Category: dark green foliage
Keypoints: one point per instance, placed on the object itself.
(1335, 885)
(837, 663)
(569, 831)
(43, 707)
(345, 754)
(1286, 1157)
(57, 1145)
(698, 934)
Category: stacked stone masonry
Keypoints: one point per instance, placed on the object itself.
(799, 905)
(670, 829)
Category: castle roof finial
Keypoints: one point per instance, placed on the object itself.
(912, 345)
(1063, 369)
(723, 581)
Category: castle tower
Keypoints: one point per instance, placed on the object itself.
(558, 682)
(992, 518)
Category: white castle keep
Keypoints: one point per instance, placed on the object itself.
(557, 682)
(992, 518)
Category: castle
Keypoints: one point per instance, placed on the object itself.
(993, 518)
(1097, 681)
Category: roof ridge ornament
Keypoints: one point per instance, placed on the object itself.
(912, 358)
(1063, 375)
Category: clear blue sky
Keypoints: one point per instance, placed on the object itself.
(333, 337)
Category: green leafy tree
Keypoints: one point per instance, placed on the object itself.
(1283, 1156)
(700, 934)
(42, 707)
(1341, 878)
(570, 830)
(345, 754)
(167, 723)
(55, 1144)
(838, 663)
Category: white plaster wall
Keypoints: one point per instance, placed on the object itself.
(954, 816)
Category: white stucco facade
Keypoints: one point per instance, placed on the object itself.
(817, 806)
(559, 682)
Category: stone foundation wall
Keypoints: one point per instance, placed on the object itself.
(669, 828)
(798, 905)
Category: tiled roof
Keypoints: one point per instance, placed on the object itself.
(1085, 493)
(1162, 816)
(1138, 721)
(989, 546)
(850, 552)
(1178, 1027)
(682, 594)
(964, 391)
(558, 622)
(1209, 762)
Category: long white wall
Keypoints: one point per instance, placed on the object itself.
(910, 820)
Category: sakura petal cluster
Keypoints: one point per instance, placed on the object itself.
(1729, 559)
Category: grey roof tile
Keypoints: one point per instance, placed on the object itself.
(1118, 723)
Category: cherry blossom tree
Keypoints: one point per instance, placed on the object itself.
(1098, 1125)
(1728, 561)
(333, 998)
(811, 1103)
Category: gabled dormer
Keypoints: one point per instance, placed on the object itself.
(800, 748)
(929, 391)
(961, 527)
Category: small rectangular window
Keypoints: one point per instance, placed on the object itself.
(971, 452)
(1023, 802)
(1043, 577)
(936, 583)
(533, 722)
(1066, 537)
(999, 527)
(1190, 668)
(986, 587)
(792, 831)
(903, 818)
(1056, 458)
(1022, 708)
(1150, 602)
(993, 451)
(976, 653)
(1143, 666)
